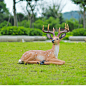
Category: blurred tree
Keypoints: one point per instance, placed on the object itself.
(30, 9)
(11, 20)
(83, 6)
(14, 11)
(54, 11)
(61, 19)
(20, 17)
(51, 12)
(4, 13)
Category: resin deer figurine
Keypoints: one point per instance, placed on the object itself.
(49, 56)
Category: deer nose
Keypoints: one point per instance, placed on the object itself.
(53, 41)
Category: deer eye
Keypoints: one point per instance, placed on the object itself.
(57, 39)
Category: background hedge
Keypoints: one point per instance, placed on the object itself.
(14, 30)
(35, 32)
(79, 32)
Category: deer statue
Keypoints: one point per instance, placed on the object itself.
(49, 56)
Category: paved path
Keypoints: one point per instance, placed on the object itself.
(71, 41)
(62, 40)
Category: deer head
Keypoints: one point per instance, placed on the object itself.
(58, 38)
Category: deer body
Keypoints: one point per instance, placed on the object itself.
(40, 55)
(45, 57)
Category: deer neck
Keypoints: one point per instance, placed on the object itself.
(55, 50)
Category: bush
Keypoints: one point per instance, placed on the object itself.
(79, 32)
(14, 30)
(4, 24)
(35, 32)
(24, 23)
(67, 36)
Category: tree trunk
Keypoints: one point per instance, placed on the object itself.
(14, 11)
(30, 22)
(84, 18)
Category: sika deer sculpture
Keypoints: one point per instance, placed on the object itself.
(49, 56)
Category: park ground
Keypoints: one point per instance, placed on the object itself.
(73, 72)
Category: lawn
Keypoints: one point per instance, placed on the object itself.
(73, 72)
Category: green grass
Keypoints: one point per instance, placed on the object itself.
(73, 72)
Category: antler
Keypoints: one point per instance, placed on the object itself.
(64, 31)
(48, 30)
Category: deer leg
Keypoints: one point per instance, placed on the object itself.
(56, 63)
(33, 62)
(61, 61)
(57, 60)
(46, 63)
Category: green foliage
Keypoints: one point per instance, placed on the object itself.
(79, 32)
(82, 2)
(38, 24)
(3, 11)
(62, 25)
(73, 24)
(67, 36)
(14, 30)
(3, 8)
(20, 16)
(73, 72)
(35, 32)
(4, 24)
(52, 21)
(24, 23)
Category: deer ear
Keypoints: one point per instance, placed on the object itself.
(62, 36)
(49, 36)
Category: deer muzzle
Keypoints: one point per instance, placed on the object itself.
(53, 41)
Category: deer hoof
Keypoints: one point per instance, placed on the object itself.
(42, 62)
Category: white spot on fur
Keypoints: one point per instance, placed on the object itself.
(41, 58)
(25, 55)
(56, 50)
(50, 52)
(48, 55)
